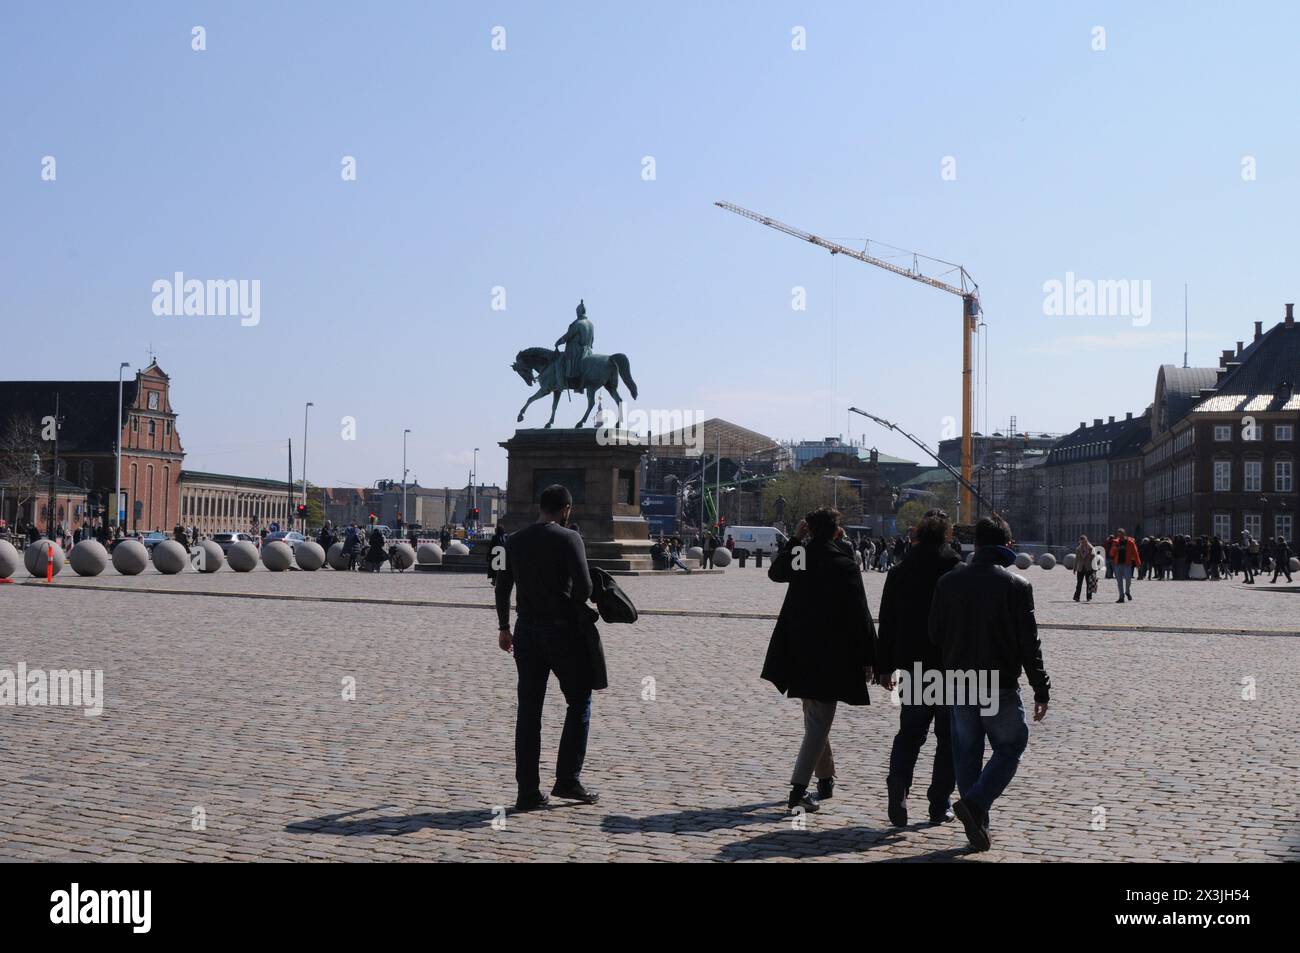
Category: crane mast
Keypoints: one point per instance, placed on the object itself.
(965, 288)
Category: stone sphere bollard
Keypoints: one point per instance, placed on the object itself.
(309, 556)
(1024, 560)
(170, 557)
(457, 548)
(130, 557)
(242, 556)
(36, 560)
(336, 557)
(276, 555)
(88, 558)
(212, 557)
(1295, 564)
(1069, 561)
(402, 556)
(721, 557)
(9, 560)
(429, 554)
(1047, 561)
(696, 553)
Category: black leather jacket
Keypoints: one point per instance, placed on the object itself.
(982, 619)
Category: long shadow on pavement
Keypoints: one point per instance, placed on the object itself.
(805, 843)
(701, 819)
(349, 824)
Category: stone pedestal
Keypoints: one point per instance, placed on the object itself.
(602, 469)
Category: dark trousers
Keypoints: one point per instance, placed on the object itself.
(913, 727)
(540, 649)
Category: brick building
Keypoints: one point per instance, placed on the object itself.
(1077, 479)
(1227, 462)
(87, 413)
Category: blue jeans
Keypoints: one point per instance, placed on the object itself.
(981, 784)
(1124, 578)
(540, 649)
(913, 727)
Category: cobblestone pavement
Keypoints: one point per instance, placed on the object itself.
(234, 707)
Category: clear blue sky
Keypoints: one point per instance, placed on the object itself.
(523, 169)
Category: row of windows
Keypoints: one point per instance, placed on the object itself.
(1251, 481)
(1253, 432)
(1252, 523)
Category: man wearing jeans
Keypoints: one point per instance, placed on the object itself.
(1124, 557)
(549, 564)
(982, 620)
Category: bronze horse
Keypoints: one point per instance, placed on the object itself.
(598, 370)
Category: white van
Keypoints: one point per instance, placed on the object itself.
(749, 539)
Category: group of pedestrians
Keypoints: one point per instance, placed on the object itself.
(945, 626)
(940, 620)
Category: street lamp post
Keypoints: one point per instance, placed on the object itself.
(404, 433)
(473, 488)
(119, 514)
(304, 464)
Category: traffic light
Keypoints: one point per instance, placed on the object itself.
(302, 511)
(372, 519)
(473, 514)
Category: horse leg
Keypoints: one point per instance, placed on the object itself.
(591, 402)
(612, 390)
(540, 394)
(555, 402)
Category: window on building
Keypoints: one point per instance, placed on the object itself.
(1282, 476)
(1250, 476)
(1252, 432)
(153, 427)
(1282, 526)
(1222, 433)
(135, 424)
(1222, 525)
(1283, 432)
(1253, 523)
(1222, 476)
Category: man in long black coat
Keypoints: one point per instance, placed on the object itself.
(905, 644)
(823, 649)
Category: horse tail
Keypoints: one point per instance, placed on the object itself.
(625, 372)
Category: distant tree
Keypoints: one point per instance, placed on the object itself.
(19, 440)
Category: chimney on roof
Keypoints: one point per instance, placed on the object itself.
(1112, 419)
(1290, 316)
(1239, 348)
(1259, 330)
(1082, 425)
(1096, 421)
(1128, 415)
(1225, 357)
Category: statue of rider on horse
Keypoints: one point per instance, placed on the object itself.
(578, 368)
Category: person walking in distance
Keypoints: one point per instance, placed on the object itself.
(1085, 573)
(1281, 559)
(823, 649)
(905, 644)
(982, 620)
(548, 564)
(1124, 557)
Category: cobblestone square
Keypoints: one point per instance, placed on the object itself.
(225, 704)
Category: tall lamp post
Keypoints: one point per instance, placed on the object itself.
(404, 433)
(473, 488)
(119, 514)
(304, 464)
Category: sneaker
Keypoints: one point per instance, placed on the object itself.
(825, 789)
(942, 817)
(972, 818)
(800, 801)
(575, 792)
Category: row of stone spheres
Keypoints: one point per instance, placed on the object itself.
(130, 557)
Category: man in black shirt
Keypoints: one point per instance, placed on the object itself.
(548, 563)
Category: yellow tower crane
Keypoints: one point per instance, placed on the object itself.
(966, 289)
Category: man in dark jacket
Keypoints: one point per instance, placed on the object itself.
(1281, 559)
(982, 620)
(823, 649)
(905, 644)
(549, 565)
